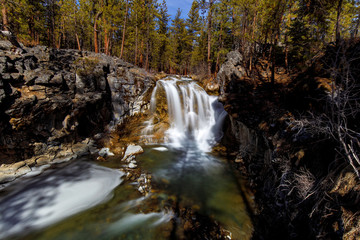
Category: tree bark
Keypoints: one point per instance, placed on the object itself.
(78, 41)
(124, 29)
(337, 29)
(10, 35)
(209, 37)
(356, 29)
(106, 38)
(221, 47)
(286, 39)
(4, 15)
(136, 41)
(96, 38)
(147, 39)
(252, 41)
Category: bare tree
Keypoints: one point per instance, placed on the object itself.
(342, 111)
(344, 106)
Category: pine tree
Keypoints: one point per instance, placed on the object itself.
(161, 53)
(194, 24)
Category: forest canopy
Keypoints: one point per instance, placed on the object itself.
(143, 33)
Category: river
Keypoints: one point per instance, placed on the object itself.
(194, 193)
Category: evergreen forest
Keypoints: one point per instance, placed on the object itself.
(142, 32)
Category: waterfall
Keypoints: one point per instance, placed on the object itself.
(193, 115)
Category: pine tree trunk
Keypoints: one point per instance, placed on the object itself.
(273, 58)
(136, 41)
(53, 39)
(124, 30)
(147, 40)
(96, 38)
(252, 50)
(106, 38)
(286, 40)
(141, 57)
(4, 15)
(221, 47)
(356, 29)
(209, 37)
(78, 41)
(338, 22)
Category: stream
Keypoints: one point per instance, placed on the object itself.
(194, 193)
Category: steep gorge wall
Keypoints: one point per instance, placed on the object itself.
(49, 97)
(301, 190)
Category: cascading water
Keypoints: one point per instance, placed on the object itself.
(193, 192)
(192, 113)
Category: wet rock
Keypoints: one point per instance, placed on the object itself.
(43, 160)
(66, 158)
(54, 97)
(104, 152)
(10, 172)
(100, 159)
(132, 165)
(132, 150)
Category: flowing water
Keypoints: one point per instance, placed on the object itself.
(193, 191)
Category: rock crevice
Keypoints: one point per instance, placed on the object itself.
(291, 170)
(53, 97)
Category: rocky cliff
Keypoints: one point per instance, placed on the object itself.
(51, 97)
(302, 190)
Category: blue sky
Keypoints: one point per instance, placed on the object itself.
(173, 5)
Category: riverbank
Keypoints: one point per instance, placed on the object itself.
(55, 104)
(60, 105)
(186, 193)
(304, 189)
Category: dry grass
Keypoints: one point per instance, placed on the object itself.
(304, 182)
(351, 224)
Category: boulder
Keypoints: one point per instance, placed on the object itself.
(132, 150)
(10, 172)
(50, 97)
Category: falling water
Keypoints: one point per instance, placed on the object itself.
(184, 177)
(193, 114)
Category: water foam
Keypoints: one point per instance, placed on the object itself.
(193, 114)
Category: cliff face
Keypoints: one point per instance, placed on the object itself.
(302, 191)
(49, 97)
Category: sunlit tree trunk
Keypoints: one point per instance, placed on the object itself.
(136, 41)
(147, 38)
(219, 52)
(78, 41)
(96, 35)
(124, 29)
(4, 15)
(106, 38)
(209, 37)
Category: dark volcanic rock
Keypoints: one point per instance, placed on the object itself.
(55, 96)
(289, 168)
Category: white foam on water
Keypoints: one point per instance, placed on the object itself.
(56, 196)
(193, 114)
(161, 149)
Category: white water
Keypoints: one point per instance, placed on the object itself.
(193, 114)
(54, 196)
